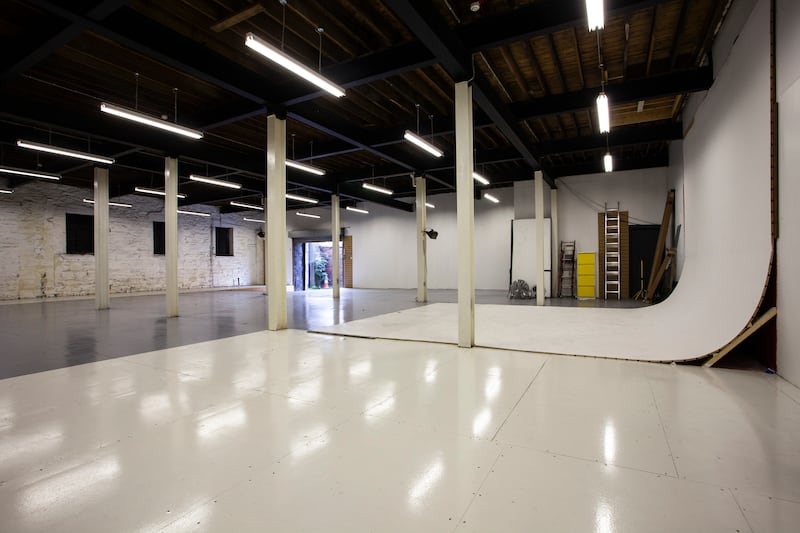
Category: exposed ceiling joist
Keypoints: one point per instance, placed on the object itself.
(673, 84)
(431, 30)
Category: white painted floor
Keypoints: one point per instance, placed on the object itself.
(291, 431)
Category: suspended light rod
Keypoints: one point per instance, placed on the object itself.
(305, 168)
(299, 198)
(376, 188)
(246, 206)
(64, 151)
(114, 204)
(608, 163)
(595, 12)
(156, 192)
(276, 55)
(29, 173)
(141, 118)
(422, 143)
(603, 119)
(214, 181)
(480, 179)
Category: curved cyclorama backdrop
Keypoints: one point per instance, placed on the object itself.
(727, 243)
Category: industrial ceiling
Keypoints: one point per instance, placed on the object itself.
(536, 71)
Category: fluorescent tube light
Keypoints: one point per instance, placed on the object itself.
(603, 119)
(195, 213)
(491, 198)
(253, 220)
(480, 179)
(31, 173)
(595, 14)
(376, 188)
(141, 118)
(420, 142)
(301, 198)
(429, 205)
(247, 206)
(114, 204)
(155, 191)
(213, 181)
(307, 215)
(276, 55)
(6, 191)
(357, 210)
(608, 163)
(304, 167)
(64, 151)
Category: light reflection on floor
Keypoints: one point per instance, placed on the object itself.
(346, 434)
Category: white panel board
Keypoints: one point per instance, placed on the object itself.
(523, 258)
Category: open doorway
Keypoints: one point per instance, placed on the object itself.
(313, 264)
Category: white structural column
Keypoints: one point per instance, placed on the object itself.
(555, 257)
(465, 215)
(171, 233)
(335, 230)
(276, 223)
(538, 185)
(422, 245)
(101, 237)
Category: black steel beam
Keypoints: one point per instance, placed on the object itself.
(620, 136)
(688, 81)
(426, 24)
(46, 40)
(620, 164)
(540, 18)
(356, 191)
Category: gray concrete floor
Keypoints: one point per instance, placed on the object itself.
(47, 334)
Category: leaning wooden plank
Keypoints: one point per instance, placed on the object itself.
(749, 330)
(662, 240)
(656, 280)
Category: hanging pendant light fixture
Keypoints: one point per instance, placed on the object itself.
(299, 198)
(357, 210)
(214, 181)
(419, 142)
(135, 116)
(278, 56)
(112, 204)
(608, 162)
(377, 188)
(246, 206)
(155, 192)
(29, 173)
(64, 151)
(595, 13)
(603, 118)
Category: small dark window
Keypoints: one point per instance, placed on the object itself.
(224, 241)
(80, 234)
(159, 238)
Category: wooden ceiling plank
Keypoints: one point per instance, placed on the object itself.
(531, 54)
(556, 62)
(495, 76)
(679, 29)
(231, 21)
(651, 48)
(578, 56)
(512, 66)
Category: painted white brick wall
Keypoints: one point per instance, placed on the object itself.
(34, 263)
